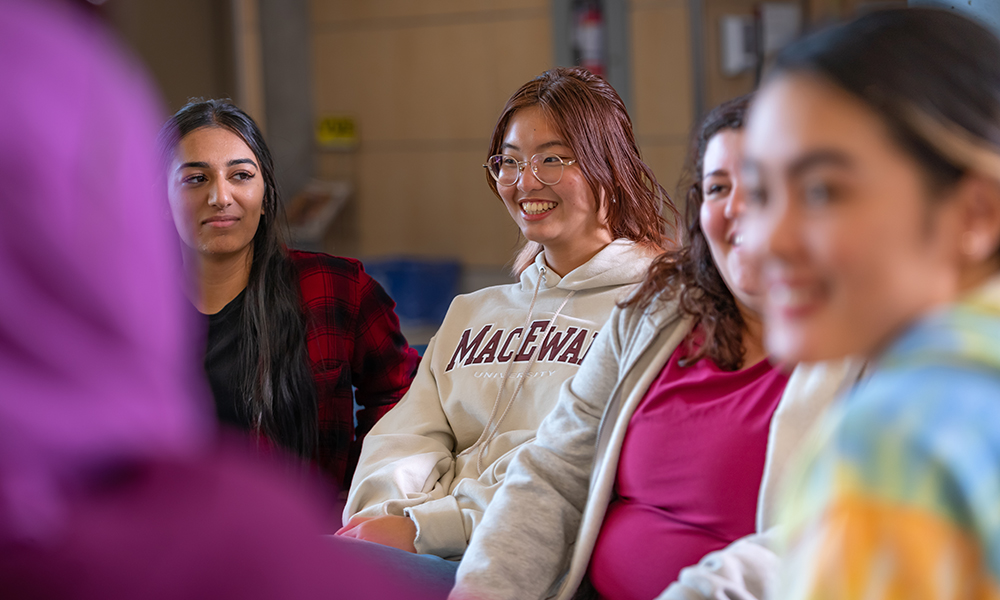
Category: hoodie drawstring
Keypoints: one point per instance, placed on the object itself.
(492, 429)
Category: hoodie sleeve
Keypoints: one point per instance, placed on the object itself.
(747, 569)
(407, 458)
(525, 539)
(445, 525)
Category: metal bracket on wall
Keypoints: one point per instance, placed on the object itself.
(696, 11)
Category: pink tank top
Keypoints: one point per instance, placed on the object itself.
(688, 474)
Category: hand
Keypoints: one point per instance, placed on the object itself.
(388, 530)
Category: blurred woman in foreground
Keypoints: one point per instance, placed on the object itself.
(874, 158)
(112, 484)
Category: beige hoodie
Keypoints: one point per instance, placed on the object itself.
(483, 387)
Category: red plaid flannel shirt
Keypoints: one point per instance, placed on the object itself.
(356, 352)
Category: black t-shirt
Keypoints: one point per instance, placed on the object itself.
(222, 364)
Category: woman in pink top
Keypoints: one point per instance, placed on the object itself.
(693, 454)
(654, 454)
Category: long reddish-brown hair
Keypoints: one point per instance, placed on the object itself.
(689, 274)
(591, 117)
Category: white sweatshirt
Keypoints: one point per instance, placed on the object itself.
(441, 453)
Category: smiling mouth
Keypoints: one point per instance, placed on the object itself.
(794, 299)
(536, 207)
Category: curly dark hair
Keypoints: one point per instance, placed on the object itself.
(689, 274)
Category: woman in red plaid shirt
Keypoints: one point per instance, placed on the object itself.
(290, 333)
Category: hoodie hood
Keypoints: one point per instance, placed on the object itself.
(98, 355)
(622, 262)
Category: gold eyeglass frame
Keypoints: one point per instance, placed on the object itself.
(534, 167)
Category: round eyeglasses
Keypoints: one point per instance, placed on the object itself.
(547, 168)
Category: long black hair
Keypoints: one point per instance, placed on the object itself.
(277, 383)
(931, 75)
(689, 274)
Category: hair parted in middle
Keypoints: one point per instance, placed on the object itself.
(594, 122)
(277, 382)
(688, 274)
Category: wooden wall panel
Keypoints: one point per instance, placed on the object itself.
(355, 12)
(420, 207)
(186, 44)
(720, 87)
(425, 83)
(439, 82)
(663, 100)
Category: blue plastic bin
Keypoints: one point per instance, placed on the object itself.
(423, 289)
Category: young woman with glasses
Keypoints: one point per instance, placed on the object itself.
(294, 338)
(564, 162)
(874, 159)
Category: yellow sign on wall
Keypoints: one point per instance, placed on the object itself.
(336, 131)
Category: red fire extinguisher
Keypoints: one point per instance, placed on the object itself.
(588, 38)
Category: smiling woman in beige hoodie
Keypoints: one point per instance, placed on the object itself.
(564, 162)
